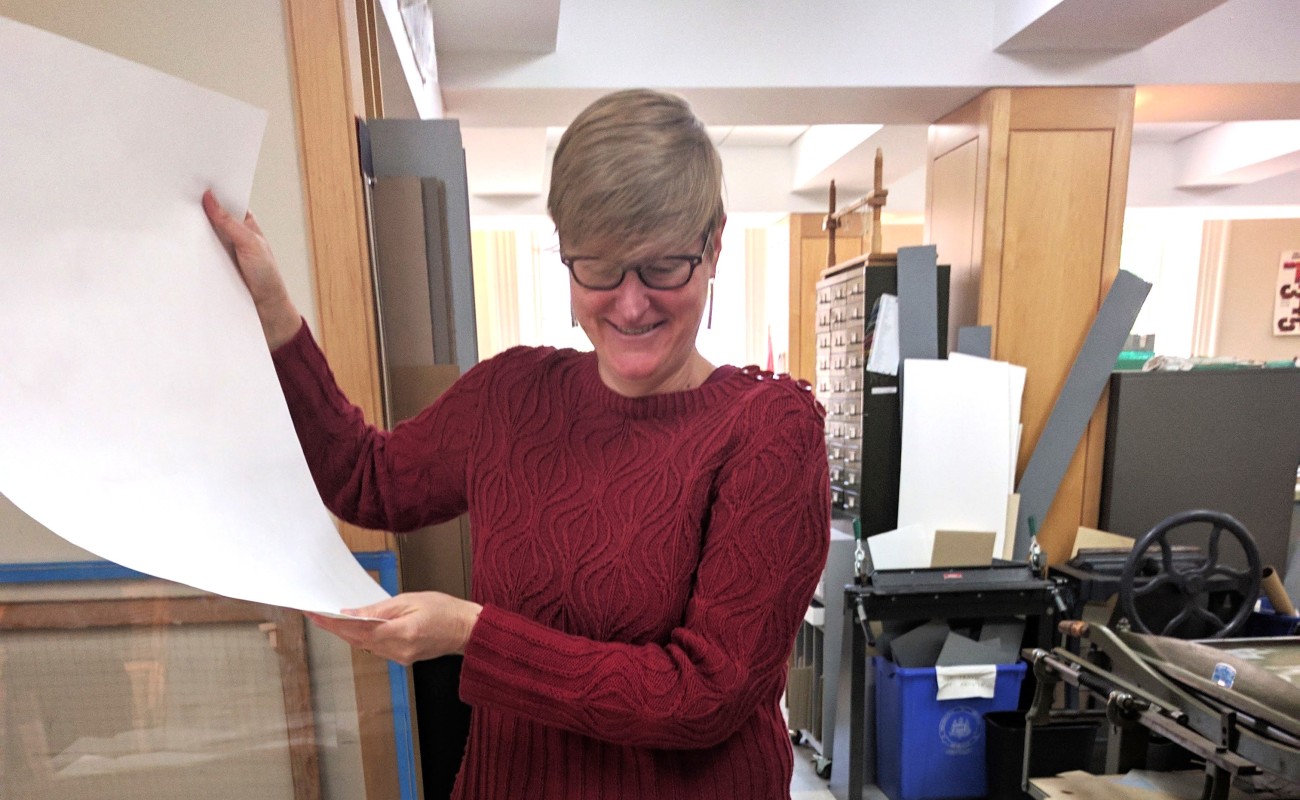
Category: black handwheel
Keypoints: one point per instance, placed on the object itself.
(1192, 583)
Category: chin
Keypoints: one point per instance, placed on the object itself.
(635, 370)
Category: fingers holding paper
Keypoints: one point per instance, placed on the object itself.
(280, 318)
(407, 628)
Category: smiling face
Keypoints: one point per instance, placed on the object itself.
(636, 180)
(645, 338)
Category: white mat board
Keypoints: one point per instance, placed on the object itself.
(958, 444)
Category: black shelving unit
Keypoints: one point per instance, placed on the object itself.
(863, 409)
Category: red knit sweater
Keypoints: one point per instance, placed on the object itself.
(643, 563)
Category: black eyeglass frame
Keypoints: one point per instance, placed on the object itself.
(693, 261)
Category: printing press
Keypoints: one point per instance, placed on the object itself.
(1166, 663)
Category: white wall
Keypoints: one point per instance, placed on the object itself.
(1163, 247)
(1153, 177)
(1253, 250)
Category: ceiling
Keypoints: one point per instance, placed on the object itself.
(797, 94)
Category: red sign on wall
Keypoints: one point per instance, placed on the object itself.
(1286, 302)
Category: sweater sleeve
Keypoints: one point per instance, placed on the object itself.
(764, 549)
(414, 475)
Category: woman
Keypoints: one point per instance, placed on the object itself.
(647, 528)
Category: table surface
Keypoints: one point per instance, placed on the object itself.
(1135, 785)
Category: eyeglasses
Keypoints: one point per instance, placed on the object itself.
(665, 272)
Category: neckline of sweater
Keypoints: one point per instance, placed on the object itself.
(668, 403)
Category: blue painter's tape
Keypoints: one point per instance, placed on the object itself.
(385, 564)
(67, 571)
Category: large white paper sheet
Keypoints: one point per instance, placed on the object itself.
(908, 547)
(883, 355)
(958, 446)
(140, 416)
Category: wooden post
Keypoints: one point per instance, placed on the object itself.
(830, 226)
(1026, 201)
(323, 69)
(336, 213)
(875, 201)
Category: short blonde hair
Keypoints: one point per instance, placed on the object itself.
(635, 166)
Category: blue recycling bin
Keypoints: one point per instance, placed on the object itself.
(928, 749)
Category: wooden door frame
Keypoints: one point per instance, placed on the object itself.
(321, 38)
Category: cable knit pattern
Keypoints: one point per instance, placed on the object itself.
(643, 563)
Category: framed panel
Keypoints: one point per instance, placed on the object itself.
(77, 725)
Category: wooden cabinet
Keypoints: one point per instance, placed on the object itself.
(1025, 199)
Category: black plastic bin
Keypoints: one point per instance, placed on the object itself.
(1058, 747)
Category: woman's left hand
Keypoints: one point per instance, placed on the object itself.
(415, 626)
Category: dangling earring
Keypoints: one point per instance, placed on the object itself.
(573, 317)
(709, 325)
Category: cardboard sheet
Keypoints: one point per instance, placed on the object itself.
(975, 340)
(918, 303)
(1009, 541)
(1005, 635)
(962, 548)
(963, 651)
(920, 647)
(140, 417)
(1092, 539)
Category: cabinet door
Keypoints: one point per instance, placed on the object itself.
(1031, 183)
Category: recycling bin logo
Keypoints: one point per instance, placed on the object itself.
(960, 730)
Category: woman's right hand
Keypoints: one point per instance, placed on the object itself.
(280, 318)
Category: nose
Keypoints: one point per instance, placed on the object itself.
(631, 297)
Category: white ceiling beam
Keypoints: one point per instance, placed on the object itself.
(903, 150)
(496, 26)
(759, 105)
(735, 47)
(505, 161)
(1222, 102)
(822, 146)
(1090, 25)
(1236, 153)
